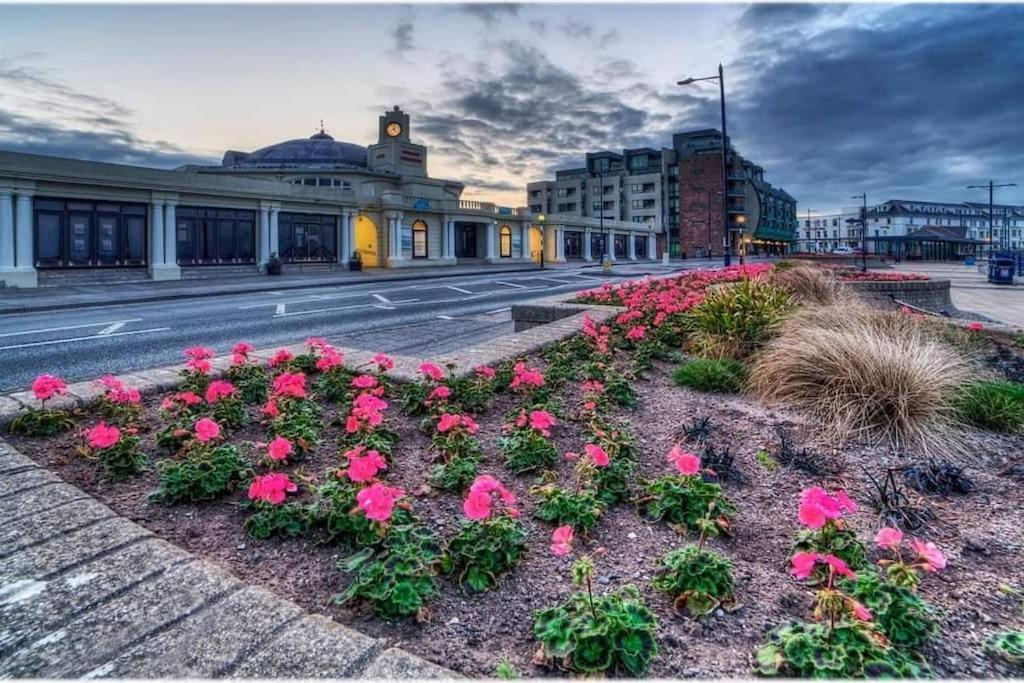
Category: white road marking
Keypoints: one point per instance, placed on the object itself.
(279, 310)
(69, 327)
(382, 299)
(510, 284)
(390, 307)
(386, 308)
(499, 310)
(315, 297)
(459, 289)
(561, 282)
(445, 317)
(110, 329)
(78, 339)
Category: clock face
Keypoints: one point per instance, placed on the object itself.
(394, 129)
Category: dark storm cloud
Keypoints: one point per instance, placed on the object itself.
(402, 37)
(490, 13)
(778, 15)
(915, 103)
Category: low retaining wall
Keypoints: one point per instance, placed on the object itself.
(931, 295)
(528, 316)
(839, 261)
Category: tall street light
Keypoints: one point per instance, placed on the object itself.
(725, 163)
(863, 196)
(991, 186)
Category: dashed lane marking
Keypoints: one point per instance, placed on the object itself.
(110, 329)
(70, 340)
(445, 317)
(279, 310)
(510, 284)
(459, 289)
(382, 299)
(70, 327)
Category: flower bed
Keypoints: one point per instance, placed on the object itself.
(852, 275)
(478, 519)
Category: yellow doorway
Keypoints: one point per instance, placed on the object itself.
(536, 244)
(366, 241)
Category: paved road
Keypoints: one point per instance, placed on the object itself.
(415, 318)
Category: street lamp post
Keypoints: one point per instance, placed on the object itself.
(541, 218)
(725, 162)
(991, 186)
(863, 196)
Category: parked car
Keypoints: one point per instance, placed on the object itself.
(843, 251)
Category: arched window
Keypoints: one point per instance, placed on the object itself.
(419, 239)
(506, 241)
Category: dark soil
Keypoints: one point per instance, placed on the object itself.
(981, 534)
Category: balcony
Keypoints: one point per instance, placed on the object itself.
(463, 206)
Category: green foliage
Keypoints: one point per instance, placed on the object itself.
(617, 387)
(1007, 644)
(484, 550)
(614, 632)
(203, 474)
(580, 509)
(685, 502)
(300, 421)
(469, 394)
(251, 380)
(997, 406)
(850, 650)
(304, 363)
(41, 422)
(335, 385)
(333, 511)
(831, 540)
(718, 375)
(767, 461)
(735, 320)
(380, 439)
(123, 459)
(413, 397)
(122, 414)
(287, 519)
(194, 381)
(229, 411)
(455, 475)
(903, 616)
(505, 671)
(698, 578)
(398, 578)
(526, 450)
(612, 482)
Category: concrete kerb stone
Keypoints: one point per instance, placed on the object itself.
(313, 647)
(32, 501)
(51, 523)
(394, 663)
(11, 460)
(12, 483)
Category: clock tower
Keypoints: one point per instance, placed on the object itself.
(393, 151)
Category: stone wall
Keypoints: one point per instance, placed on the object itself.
(73, 277)
(526, 316)
(931, 295)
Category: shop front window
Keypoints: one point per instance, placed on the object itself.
(307, 238)
(209, 236)
(419, 239)
(75, 233)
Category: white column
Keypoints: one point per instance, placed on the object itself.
(559, 244)
(274, 241)
(339, 238)
(444, 237)
(611, 245)
(345, 236)
(490, 241)
(631, 246)
(264, 237)
(6, 230)
(451, 239)
(587, 256)
(171, 235)
(156, 236)
(652, 247)
(23, 240)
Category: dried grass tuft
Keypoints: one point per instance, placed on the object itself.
(809, 284)
(867, 375)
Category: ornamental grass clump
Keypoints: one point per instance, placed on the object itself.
(735, 320)
(866, 375)
(713, 375)
(997, 406)
(811, 285)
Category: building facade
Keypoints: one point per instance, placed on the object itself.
(313, 203)
(676, 192)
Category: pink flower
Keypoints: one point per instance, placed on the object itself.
(270, 409)
(352, 424)
(290, 384)
(188, 398)
(888, 538)
(860, 611)
(383, 362)
(839, 566)
(818, 507)
(280, 357)
(271, 488)
(199, 352)
(432, 371)
(442, 392)
(542, 420)
(803, 564)
(330, 358)
(976, 326)
(636, 333)
(526, 377)
(447, 422)
(316, 343)
(207, 429)
(45, 387)
(219, 389)
(279, 449)
(592, 386)
(200, 365)
(364, 382)
(484, 371)
(378, 501)
(477, 505)
(846, 504)
(363, 467)
(470, 424)
(597, 455)
(485, 483)
(561, 540)
(242, 349)
(589, 405)
(929, 554)
(103, 436)
(688, 464)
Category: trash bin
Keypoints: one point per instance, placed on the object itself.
(969, 261)
(1000, 270)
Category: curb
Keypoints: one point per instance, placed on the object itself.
(260, 287)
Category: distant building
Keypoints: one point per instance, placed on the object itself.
(675, 192)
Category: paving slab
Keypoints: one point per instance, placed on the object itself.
(395, 663)
(24, 503)
(11, 459)
(97, 636)
(11, 484)
(51, 523)
(209, 644)
(314, 647)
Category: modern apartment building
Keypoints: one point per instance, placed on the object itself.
(678, 192)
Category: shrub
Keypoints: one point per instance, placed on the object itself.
(203, 474)
(332, 511)
(849, 650)
(864, 374)
(606, 633)
(527, 450)
(612, 482)
(252, 381)
(697, 578)
(903, 616)
(735, 320)
(483, 550)
(721, 375)
(454, 475)
(684, 502)
(997, 406)
(809, 284)
(580, 509)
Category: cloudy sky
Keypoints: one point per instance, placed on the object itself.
(911, 101)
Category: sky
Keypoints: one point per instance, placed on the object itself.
(899, 101)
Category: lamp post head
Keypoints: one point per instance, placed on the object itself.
(688, 81)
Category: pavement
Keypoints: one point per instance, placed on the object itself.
(971, 291)
(85, 593)
(423, 317)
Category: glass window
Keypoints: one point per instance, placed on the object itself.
(78, 249)
(506, 241)
(135, 239)
(48, 239)
(309, 181)
(324, 182)
(106, 240)
(419, 239)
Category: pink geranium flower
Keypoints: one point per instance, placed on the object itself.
(803, 564)
(597, 455)
(929, 554)
(542, 421)
(188, 398)
(477, 505)
(45, 387)
(103, 436)
(448, 422)
(271, 488)
(383, 362)
(242, 348)
(442, 392)
(687, 463)
(378, 501)
(280, 357)
(207, 429)
(219, 389)
(888, 538)
(279, 449)
(817, 507)
(364, 465)
(329, 358)
(975, 326)
(484, 372)
(561, 540)
(432, 371)
(860, 611)
(839, 566)
(364, 382)
(290, 384)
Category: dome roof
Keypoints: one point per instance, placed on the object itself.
(319, 151)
